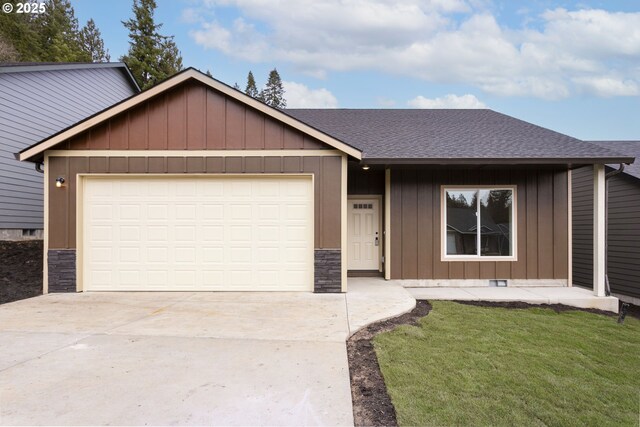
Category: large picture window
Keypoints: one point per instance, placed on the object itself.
(479, 223)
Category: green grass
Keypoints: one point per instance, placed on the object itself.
(478, 366)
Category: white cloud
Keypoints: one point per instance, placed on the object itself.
(457, 42)
(447, 101)
(300, 96)
(609, 86)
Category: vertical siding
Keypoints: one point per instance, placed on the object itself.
(326, 170)
(33, 106)
(623, 258)
(365, 182)
(541, 209)
(582, 228)
(193, 117)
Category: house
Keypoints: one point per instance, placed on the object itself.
(192, 185)
(36, 101)
(623, 255)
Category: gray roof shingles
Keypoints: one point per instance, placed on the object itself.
(626, 148)
(447, 134)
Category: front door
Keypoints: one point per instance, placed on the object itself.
(364, 234)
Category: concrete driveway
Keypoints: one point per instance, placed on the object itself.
(175, 358)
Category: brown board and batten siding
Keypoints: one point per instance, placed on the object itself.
(542, 218)
(582, 226)
(225, 136)
(327, 171)
(623, 249)
(192, 117)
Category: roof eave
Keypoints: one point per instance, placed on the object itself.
(60, 66)
(497, 161)
(129, 75)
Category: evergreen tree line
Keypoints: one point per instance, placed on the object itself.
(52, 36)
(273, 92)
(55, 36)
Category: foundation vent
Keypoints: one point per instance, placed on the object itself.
(497, 283)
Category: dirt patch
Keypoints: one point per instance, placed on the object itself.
(632, 310)
(371, 403)
(558, 308)
(20, 270)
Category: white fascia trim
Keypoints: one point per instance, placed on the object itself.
(190, 153)
(174, 81)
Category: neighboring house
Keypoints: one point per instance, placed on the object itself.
(192, 185)
(623, 260)
(36, 101)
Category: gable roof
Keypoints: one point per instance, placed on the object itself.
(627, 148)
(35, 151)
(447, 136)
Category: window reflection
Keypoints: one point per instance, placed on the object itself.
(490, 210)
(495, 216)
(462, 208)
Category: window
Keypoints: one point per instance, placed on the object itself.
(479, 223)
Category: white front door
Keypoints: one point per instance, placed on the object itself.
(364, 234)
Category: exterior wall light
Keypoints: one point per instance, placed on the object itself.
(59, 181)
(365, 167)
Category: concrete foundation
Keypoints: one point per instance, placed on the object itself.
(574, 297)
(17, 234)
(475, 283)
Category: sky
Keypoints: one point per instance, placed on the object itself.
(570, 66)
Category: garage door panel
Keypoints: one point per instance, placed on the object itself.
(198, 234)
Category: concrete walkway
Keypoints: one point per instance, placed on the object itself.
(571, 296)
(185, 358)
(370, 300)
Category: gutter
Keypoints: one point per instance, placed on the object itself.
(509, 161)
(607, 288)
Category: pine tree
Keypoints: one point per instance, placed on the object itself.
(59, 37)
(19, 32)
(251, 88)
(7, 52)
(273, 93)
(152, 57)
(91, 43)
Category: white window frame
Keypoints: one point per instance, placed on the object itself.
(443, 223)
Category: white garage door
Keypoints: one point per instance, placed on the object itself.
(197, 234)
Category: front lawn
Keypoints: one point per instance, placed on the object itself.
(480, 366)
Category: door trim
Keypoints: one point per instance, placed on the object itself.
(379, 198)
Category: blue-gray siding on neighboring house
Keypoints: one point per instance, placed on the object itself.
(36, 104)
(623, 257)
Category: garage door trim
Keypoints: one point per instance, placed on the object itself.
(80, 189)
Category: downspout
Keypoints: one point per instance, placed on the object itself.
(607, 288)
(39, 167)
